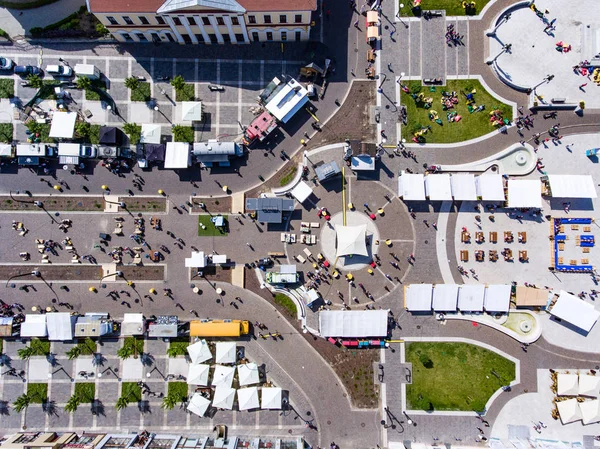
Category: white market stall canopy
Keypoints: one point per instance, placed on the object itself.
(223, 376)
(288, 100)
(569, 411)
(63, 125)
(418, 297)
(60, 326)
(197, 260)
(34, 326)
(271, 398)
(248, 374)
(351, 240)
(470, 297)
(191, 111)
(353, 323)
(133, 324)
(497, 298)
(575, 311)
(463, 187)
(150, 133)
(198, 375)
(445, 297)
(68, 149)
(590, 411)
(178, 155)
(226, 352)
(572, 186)
(525, 193)
(438, 187)
(198, 404)
(248, 398)
(6, 150)
(301, 192)
(411, 187)
(589, 385)
(223, 397)
(199, 352)
(490, 187)
(567, 384)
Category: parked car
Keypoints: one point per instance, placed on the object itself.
(6, 64)
(26, 70)
(58, 71)
(88, 151)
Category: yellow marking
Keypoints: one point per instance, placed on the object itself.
(313, 115)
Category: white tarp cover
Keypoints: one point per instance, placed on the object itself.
(568, 411)
(525, 193)
(567, 384)
(178, 155)
(133, 324)
(445, 297)
(490, 187)
(287, 101)
(590, 411)
(218, 259)
(302, 191)
(68, 149)
(418, 297)
(271, 398)
(463, 187)
(248, 398)
(150, 133)
(572, 186)
(63, 124)
(497, 298)
(589, 385)
(60, 326)
(411, 187)
(575, 311)
(248, 374)
(199, 352)
(198, 375)
(6, 150)
(223, 397)
(198, 260)
(191, 111)
(438, 187)
(351, 240)
(34, 326)
(223, 376)
(225, 352)
(353, 323)
(198, 404)
(470, 297)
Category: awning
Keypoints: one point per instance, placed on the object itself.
(154, 152)
(575, 311)
(351, 240)
(223, 376)
(525, 193)
(199, 352)
(133, 324)
(411, 187)
(31, 149)
(497, 298)
(373, 32)
(198, 260)
(248, 398)
(463, 187)
(572, 186)
(223, 397)
(590, 411)
(372, 16)
(6, 150)
(445, 297)
(302, 191)
(248, 374)
(191, 111)
(353, 323)
(69, 149)
(63, 125)
(569, 411)
(150, 133)
(418, 297)
(490, 187)
(198, 404)
(109, 135)
(589, 385)
(470, 297)
(271, 398)
(531, 297)
(178, 155)
(438, 187)
(60, 326)
(34, 326)
(198, 375)
(567, 384)
(226, 352)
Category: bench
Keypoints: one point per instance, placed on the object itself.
(276, 254)
(300, 259)
(464, 256)
(558, 100)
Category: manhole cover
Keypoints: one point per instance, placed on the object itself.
(419, 327)
(356, 50)
(426, 242)
(80, 204)
(362, 424)
(387, 106)
(289, 430)
(329, 422)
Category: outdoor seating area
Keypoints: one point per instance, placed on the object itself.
(576, 396)
(570, 244)
(492, 254)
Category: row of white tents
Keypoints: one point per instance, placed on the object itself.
(452, 297)
(198, 374)
(247, 399)
(577, 385)
(225, 352)
(571, 410)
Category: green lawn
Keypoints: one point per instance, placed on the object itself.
(86, 391)
(7, 88)
(188, 93)
(178, 347)
(183, 134)
(92, 95)
(42, 130)
(471, 125)
(178, 390)
(131, 391)
(6, 132)
(37, 392)
(40, 347)
(287, 303)
(454, 376)
(452, 7)
(287, 178)
(141, 93)
(211, 230)
(88, 346)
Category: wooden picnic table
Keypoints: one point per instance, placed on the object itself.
(493, 237)
(523, 237)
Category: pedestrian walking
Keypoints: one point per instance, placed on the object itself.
(356, 24)
(425, 223)
(582, 86)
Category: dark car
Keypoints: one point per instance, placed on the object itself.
(26, 70)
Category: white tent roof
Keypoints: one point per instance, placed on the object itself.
(567, 385)
(302, 191)
(150, 133)
(525, 193)
(223, 397)
(351, 240)
(63, 124)
(271, 398)
(198, 404)
(191, 111)
(490, 187)
(470, 297)
(68, 149)
(198, 375)
(411, 187)
(178, 155)
(497, 298)
(569, 411)
(419, 297)
(445, 297)
(34, 326)
(248, 398)
(133, 324)
(198, 260)
(226, 352)
(6, 149)
(287, 101)
(572, 186)
(199, 352)
(575, 311)
(438, 187)
(463, 187)
(248, 374)
(223, 376)
(590, 411)
(589, 385)
(60, 326)
(353, 323)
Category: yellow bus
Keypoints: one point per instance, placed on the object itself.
(219, 328)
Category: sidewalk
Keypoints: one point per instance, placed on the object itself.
(18, 22)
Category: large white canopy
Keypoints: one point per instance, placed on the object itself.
(287, 101)
(351, 240)
(470, 297)
(198, 404)
(68, 149)
(63, 125)
(271, 398)
(490, 187)
(411, 187)
(248, 374)
(418, 297)
(525, 193)
(223, 397)
(150, 133)
(60, 326)
(34, 326)
(463, 187)
(248, 398)
(178, 155)
(301, 192)
(497, 298)
(438, 187)
(199, 352)
(575, 311)
(572, 186)
(567, 384)
(197, 260)
(198, 375)
(589, 385)
(226, 352)
(445, 297)
(353, 323)
(223, 376)
(133, 324)
(191, 111)
(590, 411)
(568, 411)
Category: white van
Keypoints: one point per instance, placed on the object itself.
(59, 71)
(87, 70)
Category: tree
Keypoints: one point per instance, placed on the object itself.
(122, 402)
(125, 352)
(25, 353)
(74, 352)
(22, 402)
(132, 83)
(102, 30)
(83, 83)
(134, 131)
(169, 402)
(83, 130)
(35, 81)
(72, 404)
(178, 83)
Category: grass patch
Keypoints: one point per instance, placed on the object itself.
(141, 93)
(132, 347)
(131, 391)
(37, 392)
(210, 229)
(80, 23)
(288, 176)
(88, 346)
(183, 134)
(40, 132)
(1, 346)
(85, 391)
(6, 132)
(90, 94)
(186, 93)
(472, 125)
(452, 7)
(7, 88)
(287, 303)
(87, 132)
(454, 376)
(40, 347)
(178, 390)
(178, 347)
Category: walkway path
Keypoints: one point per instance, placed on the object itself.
(18, 22)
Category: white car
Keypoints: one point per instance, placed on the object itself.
(6, 64)
(59, 70)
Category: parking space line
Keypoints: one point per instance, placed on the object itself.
(240, 76)
(218, 113)
(151, 76)
(262, 73)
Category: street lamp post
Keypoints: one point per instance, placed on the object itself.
(492, 32)
(31, 273)
(121, 204)
(505, 48)
(116, 273)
